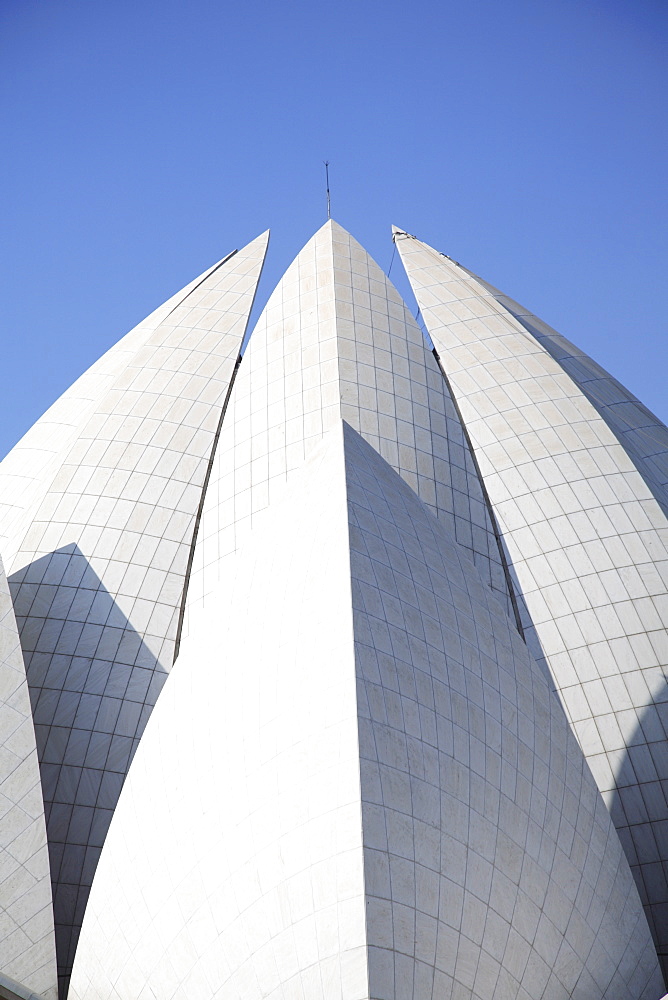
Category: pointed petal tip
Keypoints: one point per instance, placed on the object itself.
(264, 237)
(332, 226)
(325, 227)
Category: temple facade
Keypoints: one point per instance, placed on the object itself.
(336, 668)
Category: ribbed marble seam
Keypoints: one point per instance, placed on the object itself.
(98, 578)
(357, 783)
(576, 489)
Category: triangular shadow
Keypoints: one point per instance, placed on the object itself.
(93, 683)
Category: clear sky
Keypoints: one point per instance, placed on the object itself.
(145, 139)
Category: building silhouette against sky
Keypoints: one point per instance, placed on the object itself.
(413, 592)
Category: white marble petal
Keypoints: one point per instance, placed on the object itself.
(643, 435)
(27, 471)
(573, 466)
(102, 550)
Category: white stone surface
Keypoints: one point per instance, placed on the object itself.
(471, 856)
(98, 577)
(587, 537)
(336, 340)
(491, 863)
(28, 470)
(27, 941)
(240, 820)
(641, 433)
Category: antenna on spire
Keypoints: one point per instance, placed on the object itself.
(329, 213)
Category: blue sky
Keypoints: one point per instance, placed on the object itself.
(144, 140)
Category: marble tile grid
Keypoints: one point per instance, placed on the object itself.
(392, 392)
(638, 430)
(249, 771)
(491, 864)
(27, 471)
(98, 580)
(588, 543)
(336, 340)
(27, 943)
(475, 859)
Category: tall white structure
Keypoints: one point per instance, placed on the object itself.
(371, 773)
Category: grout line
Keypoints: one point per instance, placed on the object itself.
(200, 509)
(209, 469)
(488, 502)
